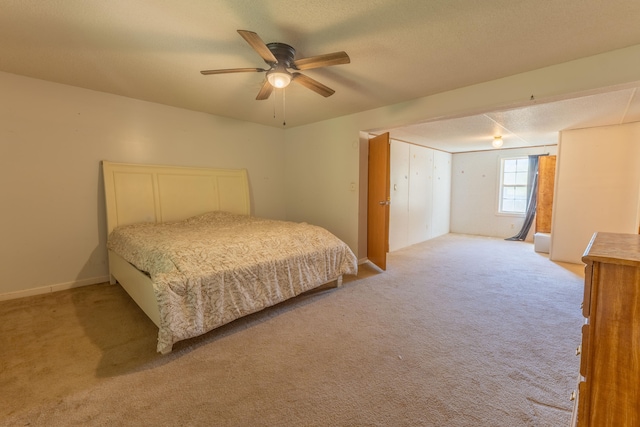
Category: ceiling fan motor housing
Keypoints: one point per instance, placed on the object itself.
(283, 52)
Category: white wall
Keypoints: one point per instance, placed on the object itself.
(52, 139)
(597, 187)
(322, 177)
(475, 191)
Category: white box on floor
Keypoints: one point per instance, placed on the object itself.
(541, 242)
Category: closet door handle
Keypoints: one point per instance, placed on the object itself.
(384, 202)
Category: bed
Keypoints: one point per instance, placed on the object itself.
(182, 243)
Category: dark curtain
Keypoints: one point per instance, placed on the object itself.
(532, 198)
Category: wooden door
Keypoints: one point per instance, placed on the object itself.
(546, 183)
(378, 201)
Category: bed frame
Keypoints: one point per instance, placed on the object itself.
(151, 193)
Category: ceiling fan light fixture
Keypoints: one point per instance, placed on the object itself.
(497, 141)
(279, 78)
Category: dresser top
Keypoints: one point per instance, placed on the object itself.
(613, 248)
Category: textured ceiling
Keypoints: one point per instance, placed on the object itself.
(532, 126)
(400, 49)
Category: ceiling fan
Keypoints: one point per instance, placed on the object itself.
(281, 58)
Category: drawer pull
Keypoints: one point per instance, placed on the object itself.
(573, 396)
(579, 350)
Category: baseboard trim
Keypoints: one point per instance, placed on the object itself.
(53, 288)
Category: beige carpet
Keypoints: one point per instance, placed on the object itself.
(460, 331)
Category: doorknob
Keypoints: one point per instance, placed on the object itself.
(384, 202)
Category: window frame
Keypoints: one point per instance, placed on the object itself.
(501, 186)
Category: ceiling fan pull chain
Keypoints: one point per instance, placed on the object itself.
(284, 114)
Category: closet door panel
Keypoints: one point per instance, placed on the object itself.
(441, 193)
(399, 191)
(420, 193)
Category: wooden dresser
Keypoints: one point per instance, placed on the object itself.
(609, 385)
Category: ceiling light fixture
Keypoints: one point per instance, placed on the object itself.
(279, 77)
(497, 141)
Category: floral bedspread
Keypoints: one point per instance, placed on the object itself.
(214, 268)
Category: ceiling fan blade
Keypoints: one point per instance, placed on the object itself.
(258, 45)
(233, 70)
(335, 58)
(265, 91)
(312, 84)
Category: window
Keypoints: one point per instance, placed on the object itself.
(513, 186)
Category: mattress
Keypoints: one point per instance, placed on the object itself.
(211, 269)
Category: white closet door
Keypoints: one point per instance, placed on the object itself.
(420, 193)
(441, 193)
(399, 209)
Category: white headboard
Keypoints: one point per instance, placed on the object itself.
(151, 193)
